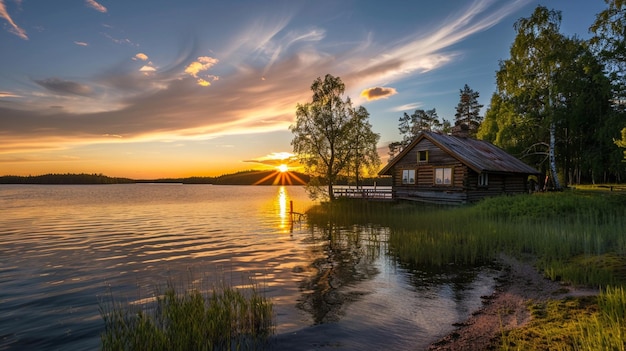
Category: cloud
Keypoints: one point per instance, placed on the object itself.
(65, 87)
(276, 159)
(411, 106)
(168, 104)
(96, 6)
(124, 41)
(378, 93)
(147, 68)
(81, 43)
(202, 64)
(14, 28)
(141, 56)
(425, 51)
(7, 94)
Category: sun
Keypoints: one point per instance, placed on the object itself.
(283, 168)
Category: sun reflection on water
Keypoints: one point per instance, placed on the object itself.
(282, 208)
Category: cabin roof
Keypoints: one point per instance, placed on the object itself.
(479, 155)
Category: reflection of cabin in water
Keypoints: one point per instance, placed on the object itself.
(454, 169)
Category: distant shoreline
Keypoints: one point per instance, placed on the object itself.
(268, 177)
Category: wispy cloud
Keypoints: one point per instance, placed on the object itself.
(14, 28)
(168, 104)
(8, 94)
(407, 107)
(425, 51)
(276, 159)
(124, 41)
(96, 6)
(65, 87)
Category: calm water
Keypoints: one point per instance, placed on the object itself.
(65, 247)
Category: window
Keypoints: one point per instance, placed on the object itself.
(422, 156)
(483, 179)
(408, 176)
(443, 176)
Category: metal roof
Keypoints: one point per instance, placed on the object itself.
(479, 155)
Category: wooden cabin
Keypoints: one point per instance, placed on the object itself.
(452, 169)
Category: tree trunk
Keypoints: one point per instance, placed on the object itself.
(555, 176)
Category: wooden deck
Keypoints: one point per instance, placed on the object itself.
(381, 193)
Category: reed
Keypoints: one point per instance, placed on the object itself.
(575, 236)
(223, 319)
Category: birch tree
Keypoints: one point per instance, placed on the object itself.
(330, 136)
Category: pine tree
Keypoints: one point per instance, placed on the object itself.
(467, 117)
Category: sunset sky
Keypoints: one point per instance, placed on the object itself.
(153, 89)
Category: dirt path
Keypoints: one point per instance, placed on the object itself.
(506, 308)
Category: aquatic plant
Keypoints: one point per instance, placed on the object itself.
(223, 319)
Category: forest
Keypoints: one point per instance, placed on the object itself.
(559, 104)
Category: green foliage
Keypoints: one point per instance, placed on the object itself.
(221, 320)
(553, 102)
(467, 115)
(576, 236)
(331, 138)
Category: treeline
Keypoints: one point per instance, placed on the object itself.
(250, 177)
(560, 101)
(67, 178)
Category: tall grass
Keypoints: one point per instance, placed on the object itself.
(575, 236)
(606, 329)
(223, 319)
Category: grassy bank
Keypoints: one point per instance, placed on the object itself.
(224, 319)
(575, 236)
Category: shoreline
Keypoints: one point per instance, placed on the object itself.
(506, 308)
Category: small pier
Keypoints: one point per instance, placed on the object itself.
(381, 193)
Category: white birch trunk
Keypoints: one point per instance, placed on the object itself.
(555, 176)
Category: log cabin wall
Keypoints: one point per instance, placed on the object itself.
(424, 185)
(463, 159)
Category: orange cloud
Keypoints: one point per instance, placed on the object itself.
(147, 68)
(141, 56)
(96, 6)
(202, 64)
(378, 93)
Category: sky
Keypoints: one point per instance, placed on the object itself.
(157, 89)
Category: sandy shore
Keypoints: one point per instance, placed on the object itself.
(506, 307)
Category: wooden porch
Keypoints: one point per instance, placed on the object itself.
(378, 193)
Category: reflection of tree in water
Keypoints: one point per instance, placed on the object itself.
(344, 256)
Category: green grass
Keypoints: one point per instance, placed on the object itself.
(576, 236)
(584, 323)
(223, 319)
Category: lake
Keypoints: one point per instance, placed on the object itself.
(64, 248)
